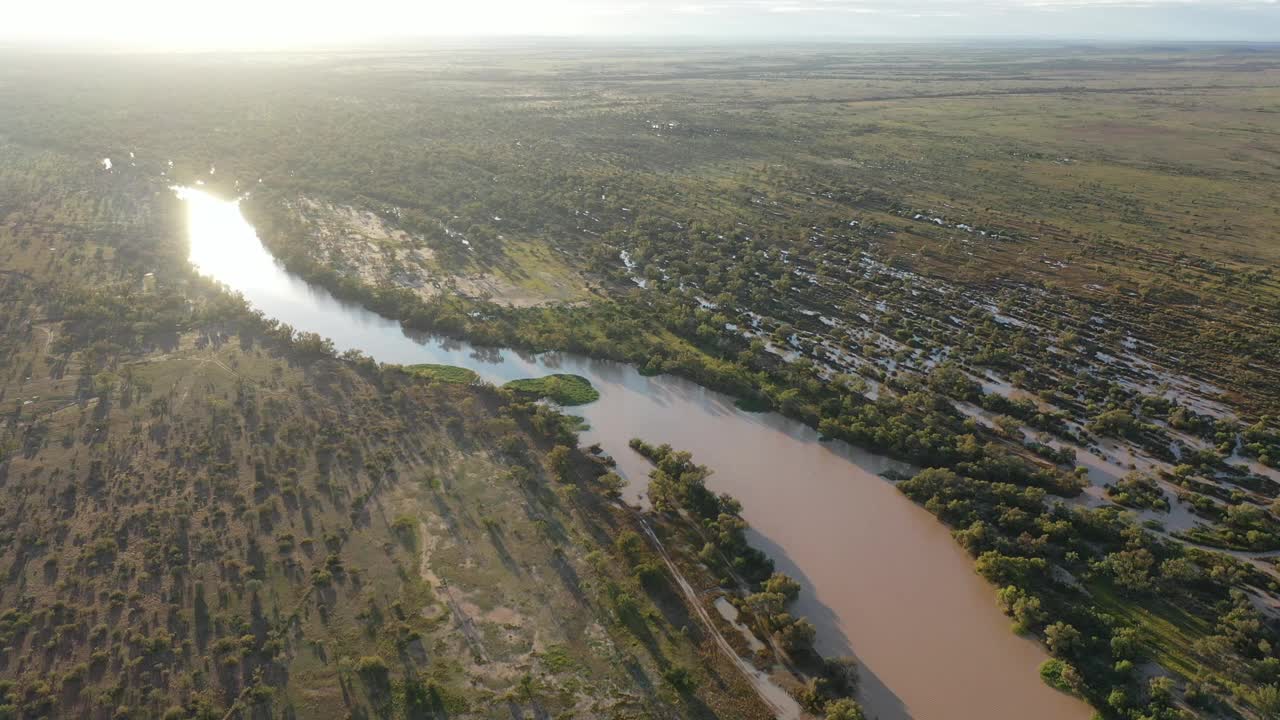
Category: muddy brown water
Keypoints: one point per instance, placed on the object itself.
(882, 579)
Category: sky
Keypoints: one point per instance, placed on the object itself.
(262, 24)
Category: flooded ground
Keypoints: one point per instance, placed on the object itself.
(882, 579)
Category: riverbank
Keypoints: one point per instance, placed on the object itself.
(707, 537)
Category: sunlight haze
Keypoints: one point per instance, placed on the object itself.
(258, 24)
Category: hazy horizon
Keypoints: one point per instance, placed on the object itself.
(250, 24)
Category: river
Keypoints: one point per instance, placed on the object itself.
(880, 575)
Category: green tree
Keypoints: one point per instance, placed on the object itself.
(613, 484)
(1061, 638)
(1024, 608)
(1267, 700)
(796, 635)
(844, 709)
(1114, 423)
(1131, 569)
(1126, 645)
(783, 585)
(559, 459)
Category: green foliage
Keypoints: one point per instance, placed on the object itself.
(564, 389)
(406, 528)
(445, 373)
(1138, 491)
(373, 670)
(1061, 675)
(1241, 526)
(613, 484)
(1131, 569)
(783, 585)
(795, 634)
(1025, 609)
(1023, 544)
(844, 709)
(680, 678)
(557, 659)
(1267, 700)
(1114, 423)
(560, 460)
(1062, 639)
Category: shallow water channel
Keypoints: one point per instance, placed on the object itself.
(882, 579)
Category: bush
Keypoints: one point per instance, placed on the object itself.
(564, 389)
(1025, 609)
(1114, 423)
(1137, 490)
(613, 484)
(445, 374)
(1061, 675)
(844, 709)
(405, 527)
(797, 635)
(372, 669)
(560, 460)
(679, 678)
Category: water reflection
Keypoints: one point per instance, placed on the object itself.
(880, 575)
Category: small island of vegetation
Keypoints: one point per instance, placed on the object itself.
(444, 373)
(563, 389)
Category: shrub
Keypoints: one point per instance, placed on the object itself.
(564, 389)
(373, 670)
(679, 678)
(1061, 675)
(844, 709)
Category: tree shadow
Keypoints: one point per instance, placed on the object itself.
(877, 698)
(495, 537)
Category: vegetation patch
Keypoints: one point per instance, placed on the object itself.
(565, 389)
(444, 373)
(1138, 491)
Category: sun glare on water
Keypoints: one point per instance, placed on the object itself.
(224, 246)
